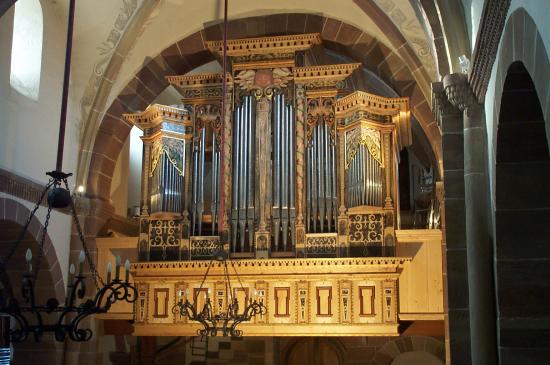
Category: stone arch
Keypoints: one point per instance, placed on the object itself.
(522, 41)
(522, 213)
(400, 69)
(13, 215)
(392, 349)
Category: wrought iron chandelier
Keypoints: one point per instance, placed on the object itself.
(62, 319)
(224, 321)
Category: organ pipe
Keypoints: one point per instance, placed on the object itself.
(283, 171)
(206, 171)
(364, 180)
(321, 199)
(243, 203)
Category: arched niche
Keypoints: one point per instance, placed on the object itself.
(522, 216)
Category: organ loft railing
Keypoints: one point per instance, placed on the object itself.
(308, 171)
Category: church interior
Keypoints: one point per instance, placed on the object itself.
(310, 182)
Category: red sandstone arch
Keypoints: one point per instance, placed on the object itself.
(399, 70)
(13, 215)
(13, 211)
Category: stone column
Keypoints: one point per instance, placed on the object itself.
(457, 323)
(478, 241)
(300, 166)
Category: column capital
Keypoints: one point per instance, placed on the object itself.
(440, 104)
(458, 90)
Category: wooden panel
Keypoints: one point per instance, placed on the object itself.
(199, 297)
(421, 282)
(241, 294)
(324, 301)
(161, 298)
(366, 300)
(282, 302)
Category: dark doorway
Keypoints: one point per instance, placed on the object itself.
(522, 220)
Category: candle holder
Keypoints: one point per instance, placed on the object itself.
(224, 322)
(63, 320)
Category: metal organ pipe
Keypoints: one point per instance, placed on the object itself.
(242, 175)
(285, 167)
(283, 192)
(292, 180)
(364, 179)
(242, 205)
(235, 189)
(250, 191)
(277, 168)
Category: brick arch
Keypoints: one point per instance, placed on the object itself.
(13, 211)
(49, 284)
(392, 349)
(401, 70)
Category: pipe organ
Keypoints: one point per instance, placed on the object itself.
(296, 169)
(297, 178)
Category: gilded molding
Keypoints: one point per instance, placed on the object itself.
(156, 114)
(324, 76)
(265, 45)
(363, 105)
(273, 266)
(380, 104)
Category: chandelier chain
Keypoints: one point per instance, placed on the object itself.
(26, 226)
(41, 245)
(95, 275)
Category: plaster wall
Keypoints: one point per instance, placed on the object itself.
(28, 139)
(29, 128)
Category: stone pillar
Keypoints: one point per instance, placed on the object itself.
(457, 324)
(478, 241)
(300, 166)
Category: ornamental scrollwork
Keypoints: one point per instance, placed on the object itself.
(321, 246)
(368, 137)
(263, 82)
(203, 247)
(164, 233)
(202, 93)
(173, 149)
(320, 111)
(366, 228)
(208, 114)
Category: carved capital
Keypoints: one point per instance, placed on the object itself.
(440, 104)
(458, 90)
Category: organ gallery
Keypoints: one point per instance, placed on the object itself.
(297, 180)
